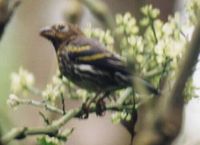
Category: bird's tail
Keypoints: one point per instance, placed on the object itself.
(144, 85)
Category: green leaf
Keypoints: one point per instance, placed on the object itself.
(45, 140)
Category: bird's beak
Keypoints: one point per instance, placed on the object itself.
(46, 32)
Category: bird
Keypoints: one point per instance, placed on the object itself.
(88, 63)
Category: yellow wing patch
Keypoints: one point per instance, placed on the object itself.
(77, 49)
(95, 56)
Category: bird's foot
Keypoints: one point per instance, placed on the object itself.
(100, 107)
(84, 113)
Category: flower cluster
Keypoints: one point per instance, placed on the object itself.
(46, 140)
(22, 82)
(104, 37)
(13, 101)
(154, 46)
(118, 116)
(193, 10)
(53, 90)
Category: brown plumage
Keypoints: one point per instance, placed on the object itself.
(87, 63)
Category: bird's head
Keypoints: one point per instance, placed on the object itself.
(60, 33)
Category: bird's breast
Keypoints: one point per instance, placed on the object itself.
(88, 76)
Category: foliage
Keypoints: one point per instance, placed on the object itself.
(193, 11)
(45, 140)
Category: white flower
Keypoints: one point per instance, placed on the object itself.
(160, 46)
(50, 140)
(104, 37)
(167, 29)
(13, 101)
(55, 89)
(51, 93)
(83, 94)
(22, 81)
(188, 31)
(15, 83)
(116, 118)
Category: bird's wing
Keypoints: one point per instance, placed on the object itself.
(89, 51)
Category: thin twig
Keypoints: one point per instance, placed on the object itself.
(40, 104)
(34, 91)
(63, 103)
(46, 120)
(154, 31)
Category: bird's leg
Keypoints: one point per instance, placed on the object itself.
(86, 105)
(112, 98)
(89, 101)
(84, 112)
(100, 104)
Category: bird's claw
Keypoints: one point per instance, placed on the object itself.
(84, 113)
(100, 107)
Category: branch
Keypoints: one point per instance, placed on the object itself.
(52, 129)
(166, 118)
(41, 104)
(6, 13)
(118, 106)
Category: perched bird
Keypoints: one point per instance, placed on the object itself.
(87, 63)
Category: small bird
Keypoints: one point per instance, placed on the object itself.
(87, 63)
